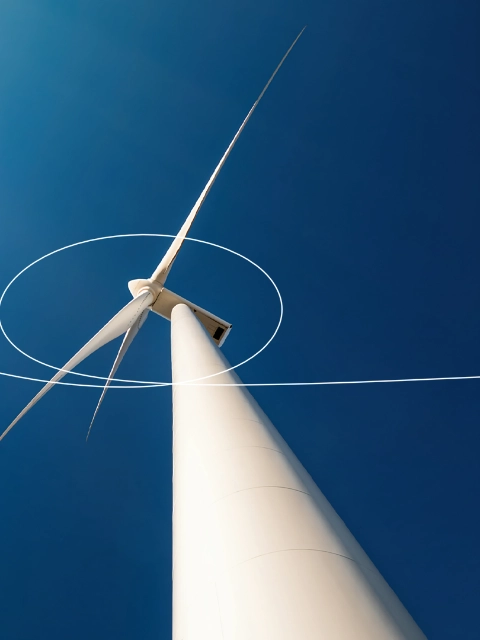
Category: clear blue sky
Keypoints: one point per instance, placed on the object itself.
(355, 186)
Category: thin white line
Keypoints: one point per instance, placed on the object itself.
(246, 384)
(146, 383)
(138, 384)
(328, 382)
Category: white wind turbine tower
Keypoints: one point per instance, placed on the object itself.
(258, 552)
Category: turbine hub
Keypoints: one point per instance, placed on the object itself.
(137, 287)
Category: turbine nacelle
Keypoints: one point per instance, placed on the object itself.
(163, 301)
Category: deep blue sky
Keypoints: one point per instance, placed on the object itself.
(355, 186)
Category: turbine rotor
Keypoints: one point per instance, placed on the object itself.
(150, 294)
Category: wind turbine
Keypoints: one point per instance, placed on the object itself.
(258, 552)
(150, 294)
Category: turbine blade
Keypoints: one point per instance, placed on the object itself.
(127, 341)
(161, 272)
(120, 323)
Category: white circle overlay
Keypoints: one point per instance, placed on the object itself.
(133, 384)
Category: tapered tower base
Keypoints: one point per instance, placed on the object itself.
(258, 552)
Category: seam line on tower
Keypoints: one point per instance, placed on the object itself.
(262, 486)
(249, 446)
(269, 553)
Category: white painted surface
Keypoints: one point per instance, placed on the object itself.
(259, 553)
(119, 324)
(161, 272)
(167, 300)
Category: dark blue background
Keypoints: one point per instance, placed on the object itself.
(355, 186)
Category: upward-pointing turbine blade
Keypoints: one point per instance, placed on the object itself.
(161, 272)
(120, 323)
(127, 341)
